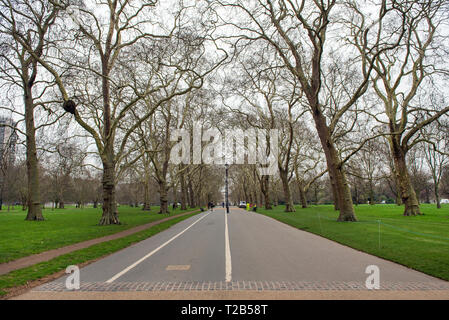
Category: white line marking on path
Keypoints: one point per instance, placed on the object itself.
(227, 252)
(121, 273)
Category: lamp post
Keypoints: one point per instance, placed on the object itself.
(226, 191)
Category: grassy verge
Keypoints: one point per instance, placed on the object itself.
(62, 227)
(23, 276)
(420, 242)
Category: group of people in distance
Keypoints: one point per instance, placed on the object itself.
(211, 205)
(251, 206)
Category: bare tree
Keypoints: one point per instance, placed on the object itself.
(436, 155)
(399, 75)
(307, 161)
(25, 28)
(132, 66)
(298, 31)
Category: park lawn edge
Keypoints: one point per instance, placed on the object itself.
(342, 242)
(29, 277)
(125, 226)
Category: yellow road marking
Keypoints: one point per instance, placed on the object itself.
(178, 267)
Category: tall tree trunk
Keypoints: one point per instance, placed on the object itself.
(34, 195)
(302, 191)
(255, 196)
(407, 192)
(246, 193)
(1, 191)
(396, 190)
(183, 191)
(163, 197)
(398, 199)
(371, 193)
(437, 195)
(337, 175)
(334, 193)
(265, 188)
(302, 196)
(289, 207)
(175, 196)
(110, 213)
(146, 192)
(192, 202)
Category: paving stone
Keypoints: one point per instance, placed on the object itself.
(239, 285)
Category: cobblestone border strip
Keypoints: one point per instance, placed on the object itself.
(240, 285)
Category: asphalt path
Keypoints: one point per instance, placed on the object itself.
(241, 246)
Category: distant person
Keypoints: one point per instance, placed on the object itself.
(247, 206)
(222, 204)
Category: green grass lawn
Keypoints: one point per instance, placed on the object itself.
(62, 227)
(420, 242)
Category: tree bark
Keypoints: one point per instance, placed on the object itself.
(398, 199)
(302, 191)
(192, 202)
(183, 191)
(34, 196)
(437, 196)
(302, 196)
(334, 193)
(146, 193)
(356, 191)
(245, 192)
(265, 189)
(371, 193)
(163, 197)
(407, 192)
(175, 196)
(340, 186)
(289, 207)
(110, 213)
